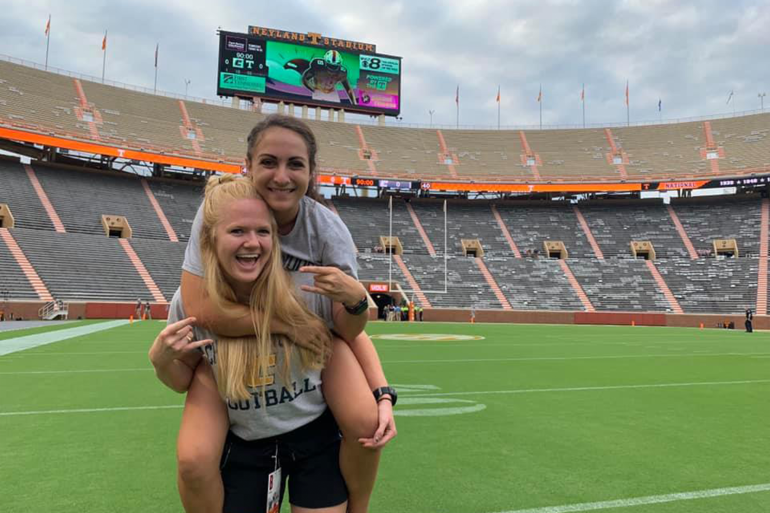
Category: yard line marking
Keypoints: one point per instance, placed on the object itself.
(45, 353)
(12, 345)
(82, 371)
(89, 410)
(651, 499)
(589, 389)
(556, 358)
(411, 396)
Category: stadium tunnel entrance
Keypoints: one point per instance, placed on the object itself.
(382, 300)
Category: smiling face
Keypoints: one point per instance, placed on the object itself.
(244, 242)
(280, 169)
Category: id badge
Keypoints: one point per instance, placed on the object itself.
(274, 491)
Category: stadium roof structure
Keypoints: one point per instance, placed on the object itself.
(54, 110)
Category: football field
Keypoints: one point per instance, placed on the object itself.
(491, 418)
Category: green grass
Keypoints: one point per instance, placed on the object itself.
(537, 441)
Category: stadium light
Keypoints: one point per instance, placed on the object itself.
(186, 84)
(762, 100)
(431, 117)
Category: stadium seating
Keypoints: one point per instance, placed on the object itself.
(615, 224)
(13, 282)
(81, 198)
(49, 103)
(533, 283)
(77, 266)
(619, 285)
(83, 264)
(16, 190)
(180, 202)
(712, 285)
(707, 219)
(532, 224)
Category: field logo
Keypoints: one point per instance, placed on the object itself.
(431, 406)
(427, 337)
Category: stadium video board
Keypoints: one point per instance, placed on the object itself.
(306, 74)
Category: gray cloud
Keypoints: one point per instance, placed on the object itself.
(690, 54)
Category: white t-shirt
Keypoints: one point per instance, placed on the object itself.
(284, 407)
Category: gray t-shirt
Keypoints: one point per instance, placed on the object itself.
(319, 238)
(284, 407)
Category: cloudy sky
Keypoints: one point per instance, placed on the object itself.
(690, 54)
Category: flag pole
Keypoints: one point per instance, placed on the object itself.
(583, 98)
(628, 107)
(155, 87)
(540, 101)
(47, 40)
(498, 107)
(457, 101)
(104, 59)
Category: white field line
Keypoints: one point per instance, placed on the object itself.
(90, 410)
(430, 395)
(12, 345)
(594, 389)
(82, 371)
(556, 358)
(471, 360)
(44, 353)
(650, 499)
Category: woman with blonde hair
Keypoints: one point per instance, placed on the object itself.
(277, 423)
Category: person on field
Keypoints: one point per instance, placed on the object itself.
(276, 426)
(319, 254)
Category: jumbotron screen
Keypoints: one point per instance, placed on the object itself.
(253, 66)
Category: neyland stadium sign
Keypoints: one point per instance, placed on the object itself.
(311, 38)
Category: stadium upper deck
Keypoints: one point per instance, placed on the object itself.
(212, 137)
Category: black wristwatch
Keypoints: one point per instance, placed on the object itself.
(386, 390)
(358, 308)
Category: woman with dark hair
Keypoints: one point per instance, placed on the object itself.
(319, 254)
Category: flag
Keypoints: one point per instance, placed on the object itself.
(457, 95)
(48, 25)
(626, 92)
(498, 94)
(583, 94)
(660, 104)
(104, 41)
(540, 94)
(729, 97)
(157, 45)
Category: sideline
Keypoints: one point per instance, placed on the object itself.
(13, 345)
(650, 499)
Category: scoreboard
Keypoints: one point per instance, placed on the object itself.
(305, 74)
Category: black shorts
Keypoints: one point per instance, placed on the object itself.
(309, 459)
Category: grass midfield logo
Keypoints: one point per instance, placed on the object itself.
(427, 337)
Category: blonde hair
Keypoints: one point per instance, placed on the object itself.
(244, 362)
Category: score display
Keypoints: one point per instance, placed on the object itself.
(402, 185)
(255, 66)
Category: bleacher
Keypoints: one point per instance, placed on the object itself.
(533, 283)
(17, 192)
(77, 266)
(614, 224)
(708, 219)
(13, 282)
(531, 225)
(180, 202)
(619, 285)
(48, 104)
(712, 285)
(84, 264)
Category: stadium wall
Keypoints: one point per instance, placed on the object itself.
(93, 310)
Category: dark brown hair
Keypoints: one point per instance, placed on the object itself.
(297, 126)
